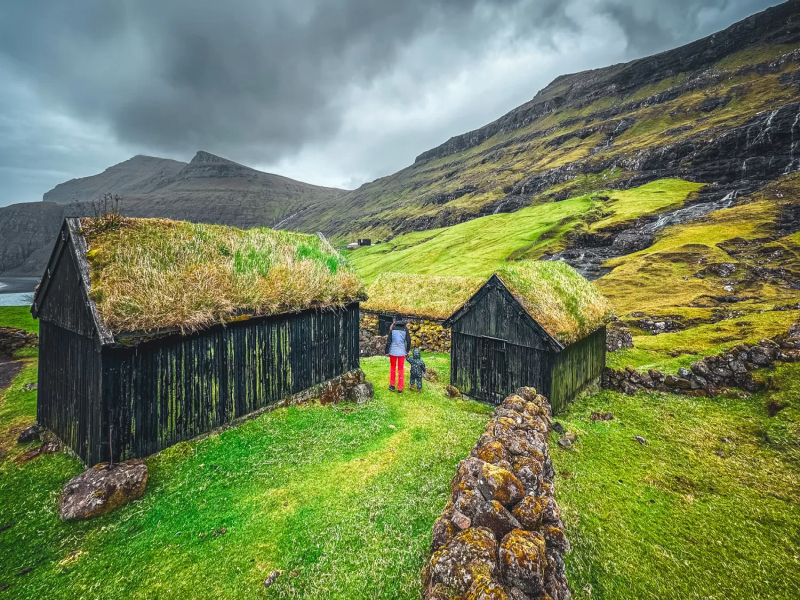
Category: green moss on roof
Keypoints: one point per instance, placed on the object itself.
(425, 296)
(559, 298)
(155, 273)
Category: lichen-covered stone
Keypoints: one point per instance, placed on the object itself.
(529, 471)
(551, 514)
(555, 538)
(439, 592)
(529, 512)
(470, 554)
(492, 452)
(496, 517)
(522, 560)
(485, 588)
(444, 530)
(101, 489)
(500, 484)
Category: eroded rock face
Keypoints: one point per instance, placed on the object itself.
(101, 489)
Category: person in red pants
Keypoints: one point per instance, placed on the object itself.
(398, 343)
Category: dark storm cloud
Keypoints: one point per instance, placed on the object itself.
(262, 82)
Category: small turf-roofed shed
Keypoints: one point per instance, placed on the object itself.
(414, 296)
(155, 331)
(533, 323)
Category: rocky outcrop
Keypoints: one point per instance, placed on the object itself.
(501, 535)
(101, 489)
(13, 339)
(351, 386)
(708, 376)
(777, 25)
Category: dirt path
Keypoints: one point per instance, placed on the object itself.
(8, 370)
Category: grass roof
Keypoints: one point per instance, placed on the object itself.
(559, 298)
(156, 273)
(425, 296)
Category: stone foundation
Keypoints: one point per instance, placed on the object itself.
(500, 535)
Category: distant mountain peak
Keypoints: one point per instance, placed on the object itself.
(206, 157)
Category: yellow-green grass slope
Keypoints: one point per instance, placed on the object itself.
(480, 246)
(672, 279)
(340, 498)
(559, 298)
(157, 273)
(425, 296)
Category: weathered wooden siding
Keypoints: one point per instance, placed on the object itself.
(65, 303)
(170, 390)
(489, 369)
(575, 367)
(69, 391)
(496, 314)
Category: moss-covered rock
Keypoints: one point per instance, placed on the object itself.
(472, 553)
(500, 484)
(484, 588)
(529, 512)
(522, 560)
(492, 452)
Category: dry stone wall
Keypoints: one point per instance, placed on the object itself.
(427, 335)
(500, 536)
(706, 377)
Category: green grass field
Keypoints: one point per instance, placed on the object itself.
(688, 515)
(340, 498)
(19, 317)
(478, 247)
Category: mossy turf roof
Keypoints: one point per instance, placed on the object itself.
(425, 296)
(558, 298)
(151, 274)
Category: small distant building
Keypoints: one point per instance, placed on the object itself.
(155, 331)
(364, 242)
(423, 301)
(533, 323)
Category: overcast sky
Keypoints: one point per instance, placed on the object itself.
(332, 92)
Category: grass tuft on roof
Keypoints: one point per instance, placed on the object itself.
(425, 296)
(559, 298)
(156, 273)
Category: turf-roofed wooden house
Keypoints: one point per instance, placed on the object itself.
(533, 323)
(423, 301)
(156, 331)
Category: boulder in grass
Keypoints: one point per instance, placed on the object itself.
(101, 489)
(452, 392)
(29, 434)
(360, 393)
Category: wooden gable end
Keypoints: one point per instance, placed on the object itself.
(63, 294)
(494, 313)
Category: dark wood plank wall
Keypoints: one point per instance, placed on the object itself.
(171, 390)
(69, 393)
(65, 304)
(489, 369)
(576, 366)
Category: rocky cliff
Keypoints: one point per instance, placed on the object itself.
(722, 110)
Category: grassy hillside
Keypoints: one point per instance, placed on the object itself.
(479, 246)
(597, 129)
